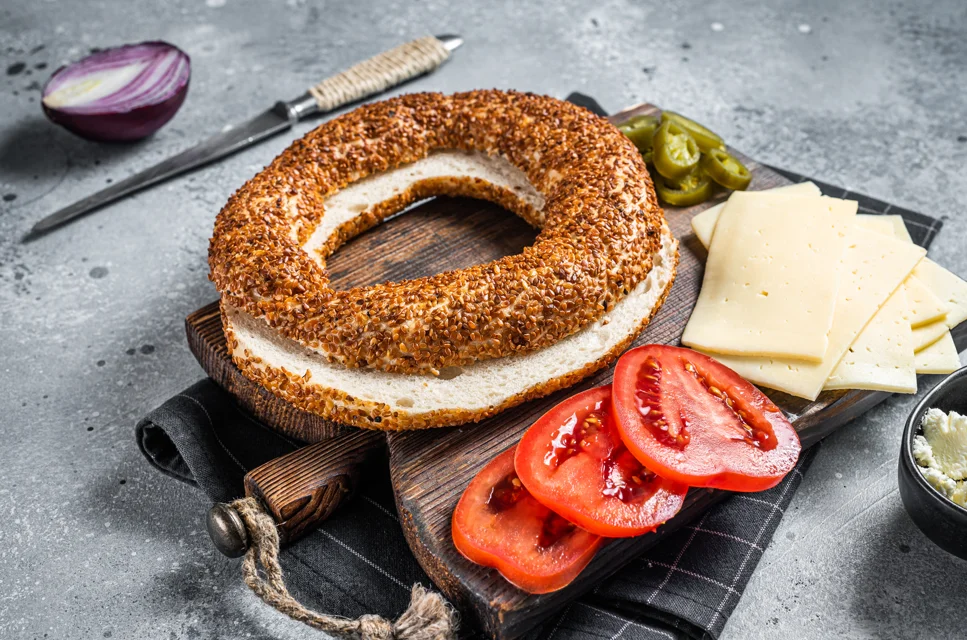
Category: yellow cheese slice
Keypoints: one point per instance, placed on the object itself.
(899, 227)
(703, 224)
(946, 286)
(880, 224)
(940, 357)
(881, 358)
(923, 307)
(771, 277)
(926, 335)
(874, 266)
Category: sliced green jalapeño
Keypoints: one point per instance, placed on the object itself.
(675, 152)
(704, 137)
(640, 131)
(726, 170)
(693, 189)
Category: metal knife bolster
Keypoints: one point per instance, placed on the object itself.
(365, 79)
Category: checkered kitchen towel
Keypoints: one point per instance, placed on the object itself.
(358, 561)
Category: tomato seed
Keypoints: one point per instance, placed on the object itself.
(506, 493)
(553, 530)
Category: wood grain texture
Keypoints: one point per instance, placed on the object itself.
(430, 469)
(303, 488)
(440, 234)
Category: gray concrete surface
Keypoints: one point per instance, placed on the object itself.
(869, 95)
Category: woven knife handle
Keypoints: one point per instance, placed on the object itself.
(380, 72)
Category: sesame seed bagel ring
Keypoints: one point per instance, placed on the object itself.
(599, 269)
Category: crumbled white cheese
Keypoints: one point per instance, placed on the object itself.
(941, 453)
(947, 436)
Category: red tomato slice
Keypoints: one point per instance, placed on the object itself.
(497, 523)
(573, 461)
(694, 420)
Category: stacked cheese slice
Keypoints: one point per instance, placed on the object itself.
(802, 294)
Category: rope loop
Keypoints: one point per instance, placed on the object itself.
(429, 616)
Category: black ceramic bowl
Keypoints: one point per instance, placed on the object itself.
(939, 518)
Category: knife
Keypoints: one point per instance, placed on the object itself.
(367, 78)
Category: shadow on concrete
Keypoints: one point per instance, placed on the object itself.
(36, 156)
(196, 589)
(38, 147)
(899, 566)
(220, 612)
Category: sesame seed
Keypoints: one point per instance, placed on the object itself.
(593, 180)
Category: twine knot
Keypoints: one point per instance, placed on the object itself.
(429, 616)
(375, 628)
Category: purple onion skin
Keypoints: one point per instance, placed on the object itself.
(127, 125)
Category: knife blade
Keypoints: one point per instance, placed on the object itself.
(391, 69)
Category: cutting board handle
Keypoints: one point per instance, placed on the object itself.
(299, 490)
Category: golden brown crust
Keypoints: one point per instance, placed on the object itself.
(338, 406)
(601, 228)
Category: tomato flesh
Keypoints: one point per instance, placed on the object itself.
(499, 524)
(573, 460)
(692, 419)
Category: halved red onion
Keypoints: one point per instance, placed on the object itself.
(125, 93)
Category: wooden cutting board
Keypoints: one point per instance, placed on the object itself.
(430, 469)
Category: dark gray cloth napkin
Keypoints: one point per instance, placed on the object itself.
(358, 561)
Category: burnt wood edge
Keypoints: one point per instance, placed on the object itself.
(497, 619)
(851, 403)
(506, 624)
(303, 488)
(838, 408)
